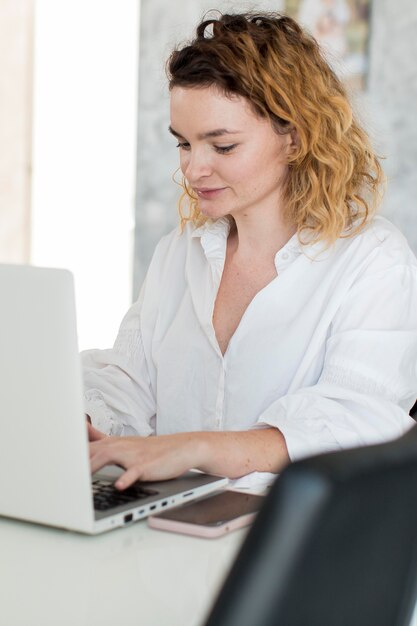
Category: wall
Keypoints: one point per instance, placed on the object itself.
(387, 109)
(392, 106)
(16, 30)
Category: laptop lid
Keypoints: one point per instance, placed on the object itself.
(44, 463)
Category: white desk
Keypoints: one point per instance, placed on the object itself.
(132, 576)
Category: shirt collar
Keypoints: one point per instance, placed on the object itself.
(214, 233)
(213, 236)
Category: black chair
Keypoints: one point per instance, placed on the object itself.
(335, 544)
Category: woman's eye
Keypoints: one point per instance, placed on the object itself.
(183, 146)
(225, 149)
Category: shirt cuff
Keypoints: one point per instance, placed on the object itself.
(303, 438)
(101, 418)
(255, 482)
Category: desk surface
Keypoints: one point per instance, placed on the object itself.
(128, 577)
(131, 576)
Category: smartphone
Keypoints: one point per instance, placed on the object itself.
(211, 516)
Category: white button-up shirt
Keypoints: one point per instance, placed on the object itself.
(326, 352)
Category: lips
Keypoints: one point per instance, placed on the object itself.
(209, 193)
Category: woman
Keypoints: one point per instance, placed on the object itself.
(280, 320)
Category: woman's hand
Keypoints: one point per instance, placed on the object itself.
(144, 458)
(94, 434)
(231, 454)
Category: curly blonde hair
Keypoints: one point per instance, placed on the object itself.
(335, 178)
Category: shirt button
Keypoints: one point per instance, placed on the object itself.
(285, 256)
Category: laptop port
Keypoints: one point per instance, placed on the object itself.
(128, 518)
(165, 502)
(153, 507)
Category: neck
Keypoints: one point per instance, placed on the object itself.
(260, 234)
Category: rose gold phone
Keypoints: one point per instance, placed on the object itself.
(212, 516)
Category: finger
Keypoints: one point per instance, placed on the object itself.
(128, 478)
(94, 434)
(99, 456)
(107, 451)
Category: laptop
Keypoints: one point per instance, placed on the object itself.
(44, 463)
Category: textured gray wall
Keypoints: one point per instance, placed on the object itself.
(387, 109)
(392, 107)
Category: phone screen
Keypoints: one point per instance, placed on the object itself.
(215, 510)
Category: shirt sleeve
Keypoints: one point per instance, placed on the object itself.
(118, 394)
(369, 378)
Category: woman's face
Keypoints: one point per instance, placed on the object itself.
(232, 159)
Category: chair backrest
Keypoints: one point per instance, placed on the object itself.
(335, 544)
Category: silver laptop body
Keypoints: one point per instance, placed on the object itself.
(44, 464)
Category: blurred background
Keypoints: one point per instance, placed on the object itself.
(86, 161)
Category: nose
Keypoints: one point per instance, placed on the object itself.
(195, 165)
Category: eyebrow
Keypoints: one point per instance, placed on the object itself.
(218, 132)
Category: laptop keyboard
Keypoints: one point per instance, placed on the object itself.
(106, 496)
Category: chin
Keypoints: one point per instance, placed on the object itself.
(213, 213)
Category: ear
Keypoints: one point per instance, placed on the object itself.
(293, 143)
(295, 140)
